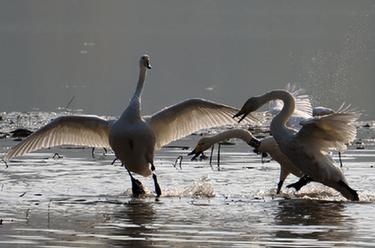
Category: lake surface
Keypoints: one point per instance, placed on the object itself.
(80, 201)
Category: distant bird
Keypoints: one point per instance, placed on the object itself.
(20, 133)
(308, 147)
(132, 138)
(266, 145)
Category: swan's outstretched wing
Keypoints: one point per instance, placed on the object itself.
(65, 130)
(189, 116)
(332, 131)
(303, 107)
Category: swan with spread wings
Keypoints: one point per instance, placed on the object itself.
(132, 137)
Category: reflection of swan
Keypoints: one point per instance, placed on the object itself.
(132, 138)
(132, 221)
(307, 148)
(309, 215)
(266, 145)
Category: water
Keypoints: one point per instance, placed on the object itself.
(80, 201)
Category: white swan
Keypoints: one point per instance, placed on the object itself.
(266, 145)
(308, 148)
(132, 138)
(302, 111)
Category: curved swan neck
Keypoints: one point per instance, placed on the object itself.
(141, 81)
(233, 133)
(289, 105)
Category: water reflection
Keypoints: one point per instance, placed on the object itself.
(313, 220)
(134, 221)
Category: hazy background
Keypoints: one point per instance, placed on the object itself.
(225, 51)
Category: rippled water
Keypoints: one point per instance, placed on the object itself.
(80, 201)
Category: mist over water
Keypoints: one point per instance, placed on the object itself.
(224, 51)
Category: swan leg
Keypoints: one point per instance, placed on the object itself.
(157, 186)
(218, 157)
(137, 187)
(113, 162)
(283, 175)
(301, 182)
(92, 152)
(212, 151)
(279, 185)
(340, 159)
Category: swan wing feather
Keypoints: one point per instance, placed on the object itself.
(303, 106)
(184, 118)
(65, 130)
(332, 131)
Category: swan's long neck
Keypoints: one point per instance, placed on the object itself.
(233, 133)
(141, 82)
(278, 124)
(289, 105)
(133, 111)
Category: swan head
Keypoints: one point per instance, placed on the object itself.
(202, 145)
(250, 106)
(145, 61)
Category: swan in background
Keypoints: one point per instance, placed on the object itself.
(266, 145)
(132, 137)
(308, 147)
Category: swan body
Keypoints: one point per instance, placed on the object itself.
(132, 137)
(266, 145)
(308, 148)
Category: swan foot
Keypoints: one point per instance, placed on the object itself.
(354, 194)
(301, 182)
(157, 187)
(137, 188)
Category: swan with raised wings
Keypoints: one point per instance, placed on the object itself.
(308, 147)
(132, 137)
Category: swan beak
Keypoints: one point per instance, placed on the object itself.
(195, 153)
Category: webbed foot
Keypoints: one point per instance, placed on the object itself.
(301, 182)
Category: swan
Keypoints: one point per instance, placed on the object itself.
(266, 145)
(303, 110)
(133, 138)
(308, 147)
